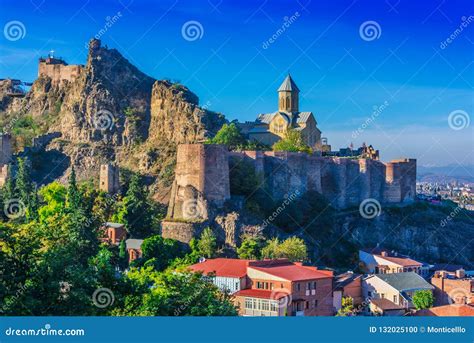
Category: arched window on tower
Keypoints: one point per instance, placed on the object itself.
(288, 103)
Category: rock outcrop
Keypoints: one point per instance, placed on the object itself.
(112, 111)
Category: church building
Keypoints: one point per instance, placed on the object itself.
(269, 128)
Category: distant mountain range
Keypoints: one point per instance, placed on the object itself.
(452, 172)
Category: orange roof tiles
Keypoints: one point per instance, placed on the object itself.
(226, 267)
(293, 272)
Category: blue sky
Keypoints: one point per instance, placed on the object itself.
(234, 69)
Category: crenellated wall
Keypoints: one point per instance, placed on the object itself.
(202, 177)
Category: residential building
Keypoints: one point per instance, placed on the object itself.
(113, 233)
(273, 287)
(134, 248)
(397, 288)
(347, 285)
(383, 261)
(229, 274)
(453, 288)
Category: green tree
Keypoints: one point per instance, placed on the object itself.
(25, 189)
(293, 141)
(74, 197)
(206, 244)
(423, 299)
(292, 248)
(230, 135)
(172, 293)
(123, 255)
(347, 307)
(249, 249)
(159, 252)
(271, 249)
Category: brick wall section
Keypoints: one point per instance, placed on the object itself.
(109, 178)
(457, 288)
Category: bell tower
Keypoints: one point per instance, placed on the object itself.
(288, 96)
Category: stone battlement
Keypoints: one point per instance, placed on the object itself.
(58, 70)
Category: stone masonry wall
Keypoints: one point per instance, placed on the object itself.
(59, 72)
(202, 179)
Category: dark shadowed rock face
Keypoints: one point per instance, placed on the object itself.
(113, 111)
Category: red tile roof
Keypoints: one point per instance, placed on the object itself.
(226, 267)
(453, 310)
(262, 293)
(293, 272)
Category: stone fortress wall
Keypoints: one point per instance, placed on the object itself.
(202, 179)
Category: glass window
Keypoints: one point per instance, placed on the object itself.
(265, 305)
(273, 306)
(298, 286)
(316, 303)
(248, 303)
(395, 299)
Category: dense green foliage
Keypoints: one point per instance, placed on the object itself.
(292, 248)
(230, 135)
(423, 299)
(52, 262)
(250, 248)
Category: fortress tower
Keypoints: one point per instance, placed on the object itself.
(288, 96)
(109, 178)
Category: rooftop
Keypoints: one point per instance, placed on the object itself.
(288, 85)
(293, 272)
(343, 280)
(226, 267)
(134, 243)
(392, 256)
(404, 281)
